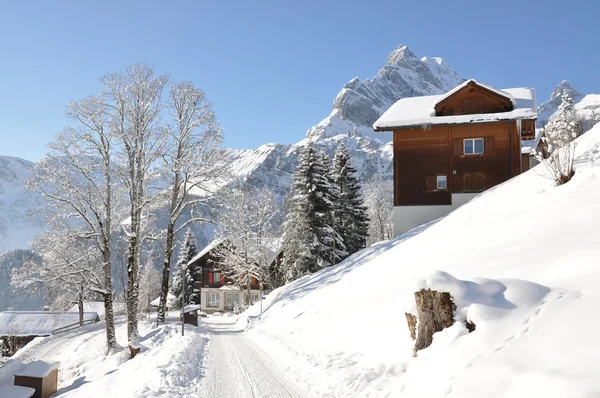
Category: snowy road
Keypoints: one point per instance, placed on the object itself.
(236, 368)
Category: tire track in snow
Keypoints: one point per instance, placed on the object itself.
(238, 369)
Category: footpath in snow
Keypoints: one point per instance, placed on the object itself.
(522, 262)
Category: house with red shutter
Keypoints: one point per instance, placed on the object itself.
(218, 292)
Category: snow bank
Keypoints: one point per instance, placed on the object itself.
(521, 260)
(168, 365)
(16, 392)
(38, 323)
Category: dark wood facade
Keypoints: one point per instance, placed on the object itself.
(212, 275)
(421, 154)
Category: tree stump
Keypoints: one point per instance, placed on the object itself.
(412, 324)
(435, 311)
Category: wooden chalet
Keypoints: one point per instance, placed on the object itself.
(217, 291)
(448, 148)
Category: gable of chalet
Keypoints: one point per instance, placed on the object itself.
(468, 103)
(472, 97)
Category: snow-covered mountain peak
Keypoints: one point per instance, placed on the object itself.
(361, 102)
(401, 55)
(565, 85)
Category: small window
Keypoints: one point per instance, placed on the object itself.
(216, 277)
(473, 146)
(254, 298)
(442, 182)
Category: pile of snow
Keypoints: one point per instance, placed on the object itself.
(38, 323)
(521, 261)
(9, 391)
(169, 365)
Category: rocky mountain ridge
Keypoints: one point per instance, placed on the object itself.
(355, 108)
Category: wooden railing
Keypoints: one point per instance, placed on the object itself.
(73, 326)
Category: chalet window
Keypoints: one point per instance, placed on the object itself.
(216, 277)
(470, 107)
(254, 298)
(212, 299)
(442, 182)
(473, 146)
(436, 183)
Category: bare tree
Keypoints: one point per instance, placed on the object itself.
(557, 144)
(76, 178)
(192, 163)
(379, 196)
(134, 100)
(248, 226)
(70, 268)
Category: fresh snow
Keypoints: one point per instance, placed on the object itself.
(420, 111)
(38, 369)
(521, 262)
(38, 323)
(9, 391)
(169, 365)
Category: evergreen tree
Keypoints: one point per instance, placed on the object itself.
(187, 253)
(177, 285)
(352, 221)
(309, 238)
(334, 245)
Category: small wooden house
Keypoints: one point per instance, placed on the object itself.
(217, 291)
(448, 148)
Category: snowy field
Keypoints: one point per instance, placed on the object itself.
(522, 261)
(169, 365)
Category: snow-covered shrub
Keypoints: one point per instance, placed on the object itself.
(557, 149)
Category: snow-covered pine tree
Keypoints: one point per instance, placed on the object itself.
(188, 251)
(352, 220)
(333, 243)
(308, 233)
(177, 284)
(557, 143)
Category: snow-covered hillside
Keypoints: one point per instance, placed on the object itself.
(521, 260)
(16, 226)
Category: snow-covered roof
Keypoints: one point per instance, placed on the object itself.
(207, 249)
(191, 307)
(229, 287)
(8, 391)
(527, 146)
(38, 369)
(171, 301)
(38, 323)
(420, 111)
(456, 89)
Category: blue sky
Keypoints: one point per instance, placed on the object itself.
(273, 67)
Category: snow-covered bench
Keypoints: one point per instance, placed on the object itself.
(41, 376)
(9, 391)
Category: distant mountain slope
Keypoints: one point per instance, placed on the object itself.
(16, 227)
(358, 104)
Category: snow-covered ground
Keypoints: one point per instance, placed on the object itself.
(237, 368)
(169, 365)
(522, 261)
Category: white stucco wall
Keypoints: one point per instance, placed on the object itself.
(409, 217)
